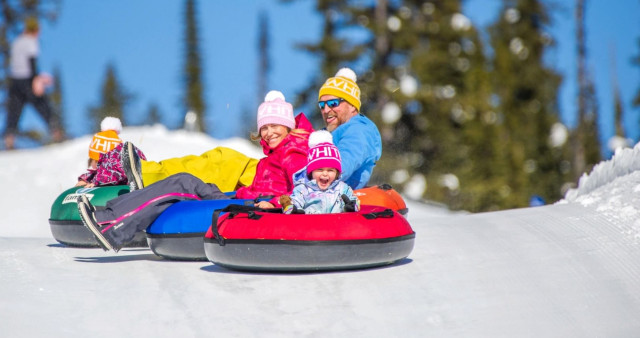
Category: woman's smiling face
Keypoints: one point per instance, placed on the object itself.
(324, 177)
(273, 134)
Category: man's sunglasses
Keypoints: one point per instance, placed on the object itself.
(331, 103)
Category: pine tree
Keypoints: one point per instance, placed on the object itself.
(247, 124)
(114, 99)
(618, 110)
(193, 99)
(337, 50)
(333, 51)
(427, 90)
(375, 53)
(585, 142)
(57, 101)
(636, 61)
(425, 84)
(483, 184)
(618, 106)
(526, 91)
(459, 135)
(153, 115)
(264, 66)
(591, 141)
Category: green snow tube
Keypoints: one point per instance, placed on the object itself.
(66, 226)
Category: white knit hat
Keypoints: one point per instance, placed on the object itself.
(111, 123)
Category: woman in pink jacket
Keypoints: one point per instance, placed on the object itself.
(286, 153)
(284, 140)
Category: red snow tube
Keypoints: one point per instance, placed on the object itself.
(246, 239)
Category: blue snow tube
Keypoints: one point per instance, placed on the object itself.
(178, 233)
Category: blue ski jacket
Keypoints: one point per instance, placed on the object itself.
(360, 147)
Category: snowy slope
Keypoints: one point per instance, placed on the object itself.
(568, 269)
(38, 176)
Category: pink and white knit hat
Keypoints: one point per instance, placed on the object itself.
(322, 152)
(275, 110)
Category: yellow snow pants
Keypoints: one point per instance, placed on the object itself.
(227, 168)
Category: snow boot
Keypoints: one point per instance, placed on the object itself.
(131, 166)
(87, 215)
(84, 199)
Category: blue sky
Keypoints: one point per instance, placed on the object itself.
(143, 40)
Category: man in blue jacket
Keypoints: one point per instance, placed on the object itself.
(356, 137)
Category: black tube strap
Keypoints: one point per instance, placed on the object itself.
(385, 186)
(234, 210)
(263, 198)
(387, 213)
(214, 226)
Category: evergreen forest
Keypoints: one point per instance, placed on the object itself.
(468, 118)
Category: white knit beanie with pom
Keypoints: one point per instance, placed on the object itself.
(320, 136)
(111, 123)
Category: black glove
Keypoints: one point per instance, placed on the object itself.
(349, 205)
(297, 211)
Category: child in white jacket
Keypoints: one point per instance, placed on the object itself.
(318, 189)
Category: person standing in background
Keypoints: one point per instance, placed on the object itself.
(26, 85)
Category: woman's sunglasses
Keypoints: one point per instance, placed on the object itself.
(331, 103)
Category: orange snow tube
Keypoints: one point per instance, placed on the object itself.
(384, 196)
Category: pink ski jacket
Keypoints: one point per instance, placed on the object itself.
(274, 173)
(109, 169)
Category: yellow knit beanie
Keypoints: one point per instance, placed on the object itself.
(344, 86)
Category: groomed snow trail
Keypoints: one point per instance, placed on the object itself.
(558, 270)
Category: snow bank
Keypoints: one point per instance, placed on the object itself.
(624, 162)
(613, 189)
